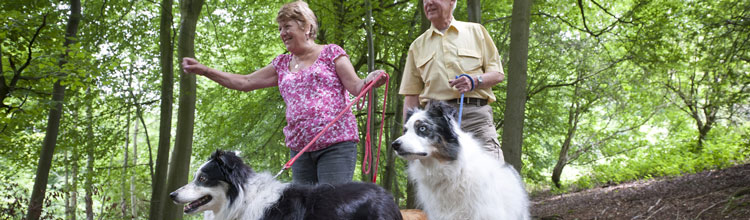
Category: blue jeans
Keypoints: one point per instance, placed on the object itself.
(334, 164)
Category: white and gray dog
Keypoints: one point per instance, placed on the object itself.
(455, 178)
(231, 190)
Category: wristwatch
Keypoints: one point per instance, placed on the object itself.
(479, 80)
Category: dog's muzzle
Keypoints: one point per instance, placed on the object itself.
(396, 145)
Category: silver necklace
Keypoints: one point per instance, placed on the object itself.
(296, 63)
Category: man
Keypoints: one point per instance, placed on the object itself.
(446, 50)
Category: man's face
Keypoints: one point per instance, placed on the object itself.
(437, 10)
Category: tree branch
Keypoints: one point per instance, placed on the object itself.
(610, 14)
(497, 19)
(17, 72)
(585, 24)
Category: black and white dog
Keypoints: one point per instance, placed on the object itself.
(455, 178)
(231, 190)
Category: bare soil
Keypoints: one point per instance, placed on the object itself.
(715, 194)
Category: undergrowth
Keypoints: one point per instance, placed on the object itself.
(719, 152)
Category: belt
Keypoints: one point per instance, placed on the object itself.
(472, 101)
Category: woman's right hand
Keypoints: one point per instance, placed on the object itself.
(190, 65)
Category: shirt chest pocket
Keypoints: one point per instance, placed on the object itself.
(471, 61)
(423, 61)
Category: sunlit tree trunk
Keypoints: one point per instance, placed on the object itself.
(180, 163)
(133, 199)
(74, 185)
(516, 95)
(73, 189)
(66, 158)
(159, 180)
(574, 113)
(90, 155)
(124, 175)
(53, 121)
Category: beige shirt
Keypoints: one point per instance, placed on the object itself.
(435, 58)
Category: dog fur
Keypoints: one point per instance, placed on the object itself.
(455, 178)
(231, 190)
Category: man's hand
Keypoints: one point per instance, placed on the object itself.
(462, 84)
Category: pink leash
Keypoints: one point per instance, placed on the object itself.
(368, 142)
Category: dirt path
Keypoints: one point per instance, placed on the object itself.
(716, 194)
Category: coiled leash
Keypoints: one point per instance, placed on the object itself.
(461, 105)
(368, 145)
(368, 140)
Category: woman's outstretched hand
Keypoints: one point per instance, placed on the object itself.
(190, 65)
(373, 75)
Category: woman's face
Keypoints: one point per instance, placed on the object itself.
(292, 34)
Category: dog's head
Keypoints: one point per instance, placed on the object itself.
(429, 133)
(216, 185)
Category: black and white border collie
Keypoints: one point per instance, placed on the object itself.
(231, 190)
(455, 178)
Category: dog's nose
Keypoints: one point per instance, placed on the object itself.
(396, 145)
(173, 195)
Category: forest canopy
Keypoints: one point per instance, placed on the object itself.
(615, 91)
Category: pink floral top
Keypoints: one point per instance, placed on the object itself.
(314, 96)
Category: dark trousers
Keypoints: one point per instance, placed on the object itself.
(334, 164)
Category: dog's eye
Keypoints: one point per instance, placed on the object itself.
(202, 179)
(422, 128)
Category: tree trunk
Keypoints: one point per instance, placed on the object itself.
(178, 171)
(703, 130)
(74, 175)
(74, 185)
(123, 176)
(516, 101)
(133, 199)
(396, 106)
(90, 154)
(67, 186)
(474, 10)
(372, 102)
(562, 160)
(424, 24)
(159, 179)
(53, 121)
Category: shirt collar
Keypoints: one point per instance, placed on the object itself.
(453, 25)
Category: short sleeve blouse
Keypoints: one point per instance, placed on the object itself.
(314, 96)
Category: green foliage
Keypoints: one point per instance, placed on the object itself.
(642, 77)
(724, 149)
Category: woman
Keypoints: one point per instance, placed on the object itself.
(315, 82)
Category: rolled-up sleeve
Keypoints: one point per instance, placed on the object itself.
(411, 81)
(490, 56)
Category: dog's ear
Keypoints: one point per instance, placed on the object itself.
(440, 109)
(443, 115)
(234, 170)
(216, 155)
(230, 160)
